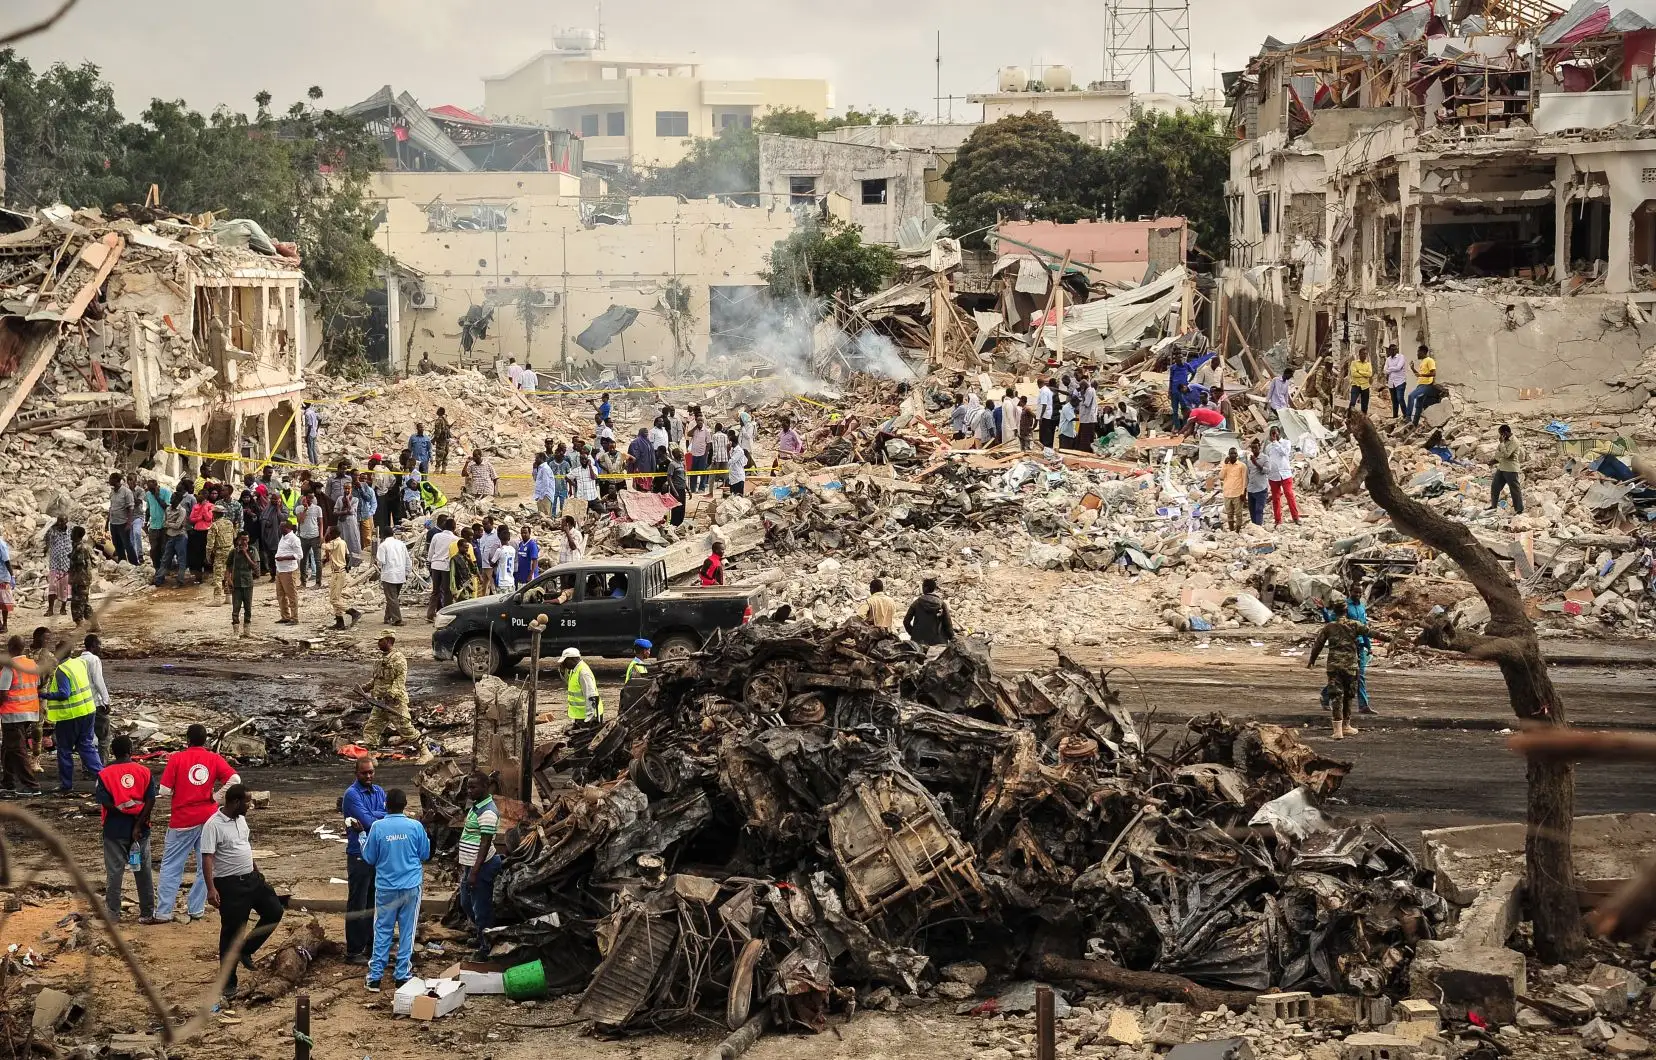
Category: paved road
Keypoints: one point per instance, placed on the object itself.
(1434, 756)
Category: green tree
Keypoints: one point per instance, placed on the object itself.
(1172, 165)
(794, 121)
(825, 259)
(1024, 167)
(301, 174)
(726, 164)
(63, 134)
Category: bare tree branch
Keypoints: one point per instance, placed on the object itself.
(39, 27)
(1511, 643)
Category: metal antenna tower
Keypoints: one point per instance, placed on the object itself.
(1153, 34)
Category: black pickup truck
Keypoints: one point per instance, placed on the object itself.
(597, 606)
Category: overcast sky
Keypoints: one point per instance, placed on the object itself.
(224, 51)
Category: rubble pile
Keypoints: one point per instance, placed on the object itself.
(483, 414)
(805, 812)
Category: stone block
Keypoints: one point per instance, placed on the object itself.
(1626, 1043)
(1173, 1028)
(1292, 1007)
(1466, 979)
(1340, 1010)
(1123, 1029)
(971, 973)
(1493, 915)
(1370, 1045)
(1415, 1010)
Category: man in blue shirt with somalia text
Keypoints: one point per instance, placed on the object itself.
(398, 848)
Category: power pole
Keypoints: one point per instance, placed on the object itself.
(937, 100)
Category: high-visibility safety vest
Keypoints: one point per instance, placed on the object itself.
(290, 501)
(23, 698)
(577, 698)
(79, 704)
(636, 667)
(126, 782)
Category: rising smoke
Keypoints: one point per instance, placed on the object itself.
(806, 347)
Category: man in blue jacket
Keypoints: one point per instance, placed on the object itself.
(1179, 375)
(362, 805)
(398, 848)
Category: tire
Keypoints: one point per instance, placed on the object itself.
(678, 646)
(478, 656)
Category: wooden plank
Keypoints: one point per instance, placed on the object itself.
(37, 352)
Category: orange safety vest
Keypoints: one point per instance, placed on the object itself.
(126, 782)
(24, 695)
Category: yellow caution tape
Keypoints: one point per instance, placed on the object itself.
(710, 385)
(604, 476)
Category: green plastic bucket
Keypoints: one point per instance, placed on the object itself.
(526, 982)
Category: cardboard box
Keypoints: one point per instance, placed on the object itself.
(478, 977)
(442, 996)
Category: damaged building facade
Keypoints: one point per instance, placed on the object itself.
(165, 334)
(1481, 183)
(493, 266)
(879, 188)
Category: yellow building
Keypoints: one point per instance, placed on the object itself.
(524, 255)
(636, 110)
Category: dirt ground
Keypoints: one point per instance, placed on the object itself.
(1433, 756)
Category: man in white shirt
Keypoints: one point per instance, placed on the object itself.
(505, 562)
(1279, 465)
(571, 542)
(100, 693)
(235, 886)
(392, 557)
(606, 432)
(527, 379)
(438, 561)
(514, 371)
(658, 435)
(1009, 417)
(489, 543)
(1046, 413)
(289, 551)
(738, 470)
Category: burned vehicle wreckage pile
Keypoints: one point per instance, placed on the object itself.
(797, 814)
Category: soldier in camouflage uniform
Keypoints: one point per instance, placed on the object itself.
(82, 565)
(388, 688)
(1341, 637)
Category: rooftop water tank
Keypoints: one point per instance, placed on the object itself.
(1059, 79)
(576, 40)
(1013, 79)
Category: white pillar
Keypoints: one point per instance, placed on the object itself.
(393, 321)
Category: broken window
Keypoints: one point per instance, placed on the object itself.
(874, 192)
(672, 123)
(801, 191)
(615, 123)
(1266, 215)
(589, 125)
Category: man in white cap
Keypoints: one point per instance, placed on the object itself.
(584, 702)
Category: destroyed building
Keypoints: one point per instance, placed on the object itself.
(1479, 182)
(454, 140)
(520, 265)
(158, 334)
(877, 187)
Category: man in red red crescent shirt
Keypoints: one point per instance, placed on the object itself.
(195, 778)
